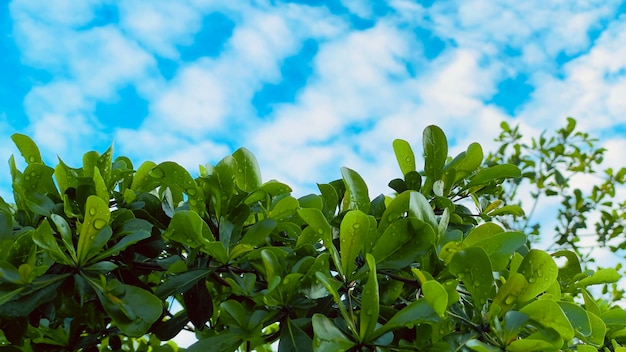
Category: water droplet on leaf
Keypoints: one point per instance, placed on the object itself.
(98, 224)
(157, 172)
(510, 299)
(192, 191)
(92, 211)
(32, 159)
(356, 225)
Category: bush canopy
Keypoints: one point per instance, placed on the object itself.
(108, 257)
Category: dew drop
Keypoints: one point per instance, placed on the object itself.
(92, 238)
(320, 230)
(408, 159)
(192, 191)
(539, 273)
(157, 172)
(98, 224)
(27, 177)
(369, 311)
(92, 211)
(32, 159)
(356, 225)
(531, 280)
(476, 283)
(461, 275)
(510, 299)
(240, 171)
(193, 202)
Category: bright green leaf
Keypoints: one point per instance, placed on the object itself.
(370, 304)
(353, 232)
(248, 175)
(404, 155)
(550, 315)
(473, 267)
(435, 152)
(358, 196)
(540, 271)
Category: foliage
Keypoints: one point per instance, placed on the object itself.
(108, 257)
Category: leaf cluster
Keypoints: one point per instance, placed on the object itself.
(109, 257)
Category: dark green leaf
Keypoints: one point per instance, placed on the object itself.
(473, 267)
(494, 173)
(352, 235)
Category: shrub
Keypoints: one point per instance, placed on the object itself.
(106, 257)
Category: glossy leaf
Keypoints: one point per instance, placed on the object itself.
(27, 148)
(473, 267)
(550, 315)
(402, 242)
(600, 276)
(45, 239)
(577, 317)
(293, 338)
(356, 190)
(416, 312)
(404, 156)
(95, 231)
(317, 221)
(353, 232)
(540, 271)
(248, 176)
(494, 173)
(436, 295)
(435, 152)
(466, 162)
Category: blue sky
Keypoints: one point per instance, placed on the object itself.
(308, 86)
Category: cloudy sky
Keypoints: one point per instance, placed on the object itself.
(308, 86)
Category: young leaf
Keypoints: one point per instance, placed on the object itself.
(416, 312)
(492, 173)
(436, 295)
(248, 176)
(356, 190)
(94, 232)
(353, 232)
(45, 239)
(435, 152)
(27, 148)
(404, 155)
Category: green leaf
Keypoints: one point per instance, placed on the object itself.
(500, 247)
(416, 312)
(492, 173)
(42, 290)
(331, 286)
(478, 346)
(248, 176)
(436, 295)
(132, 309)
(293, 338)
(370, 305)
(413, 203)
(550, 315)
(404, 155)
(353, 232)
(257, 233)
(27, 148)
(540, 271)
(284, 208)
(357, 193)
(45, 239)
(577, 317)
(435, 152)
(601, 276)
(9, 274)
(95, 230)
(180, 283)
(598, 330)
(316, 220)
(402, 242)
(188, 228)
(328, 337)
(615, 316)
(473, 267)
(66, 234)
(173, 177)
(482, 232)
(514, 210)
(132, 231)
(226, 340)
(330, 199)
(513, 323)
(467, 162)
(508, 294)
